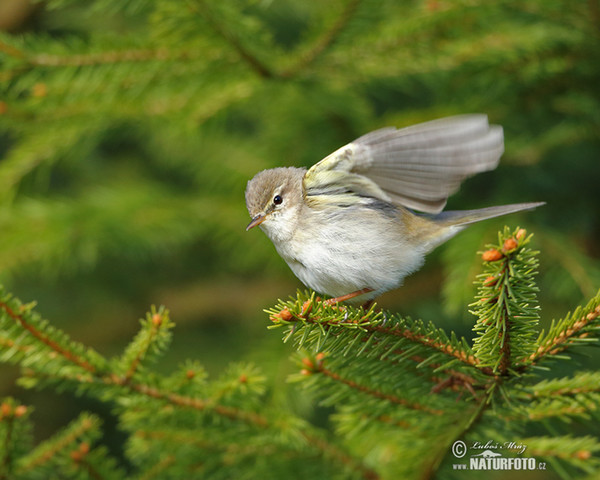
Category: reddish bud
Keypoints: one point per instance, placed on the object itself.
(190, 374)
(307, 362)
(243, 378)
(156, 319)
(5, 409)
(284, 315)
(76, 456)
(20, 410)
(583, 454)
(305, 372)
(509, 245)
(320, 356)
(489, 281)
(307, 307)
(521, 233)
(491, 255)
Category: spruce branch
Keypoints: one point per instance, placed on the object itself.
(227, 34)
(96, 58)
(324, 42)
(124, 378)
(82, 430)
(318, 367)
(47, 336)
(507, 307)
(251, 418)
(580, 327)
(313, 318)
(582, 382)
(578, 451)
(151, 341)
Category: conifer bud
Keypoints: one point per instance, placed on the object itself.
(156, 319)
(491, 255)
(20, 410)
(521, 233)
(583, 454)
(307, 307)
(307, 362)
(510, 244)
(284, 315)
(82, 451)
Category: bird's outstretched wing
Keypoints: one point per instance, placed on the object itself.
(418, 167)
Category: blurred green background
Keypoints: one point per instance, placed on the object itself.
(128, 131)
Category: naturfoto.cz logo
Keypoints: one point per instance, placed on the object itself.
(483, 456)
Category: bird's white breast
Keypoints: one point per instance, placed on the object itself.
(341, 254)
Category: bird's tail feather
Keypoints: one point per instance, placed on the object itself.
(466, 217)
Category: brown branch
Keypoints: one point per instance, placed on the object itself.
(45, 339)
(48, 454)
(175, 399)
(141, 55)
(552, 346)
(194, 403)
(232, 413)
(374, 393)
(135, 55)
(424, 340)
(156, 324)
(254, 419)
(286, 315)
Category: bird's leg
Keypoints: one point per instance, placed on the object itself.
(348, 296)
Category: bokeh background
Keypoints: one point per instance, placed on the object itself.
(128, 131)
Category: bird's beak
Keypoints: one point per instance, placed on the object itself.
(256, 221)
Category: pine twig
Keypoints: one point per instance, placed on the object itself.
(156, 323)
(559, 343)
(45, 339)
(38, 458)
(320, 368)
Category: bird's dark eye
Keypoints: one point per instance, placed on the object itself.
(277, 199)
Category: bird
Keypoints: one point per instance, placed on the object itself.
(359, 221)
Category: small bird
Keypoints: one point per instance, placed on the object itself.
(346, 226)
